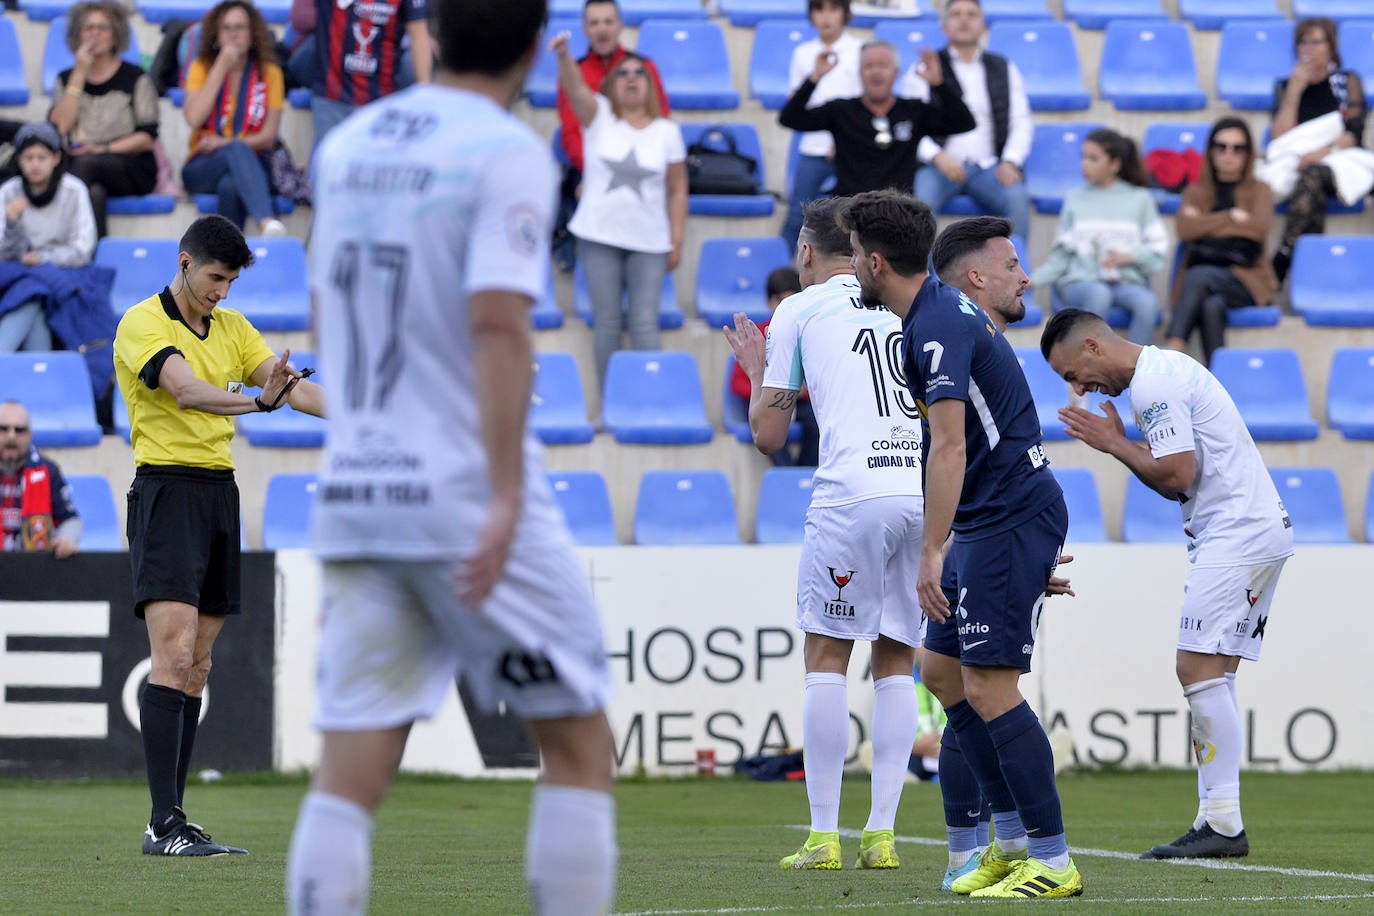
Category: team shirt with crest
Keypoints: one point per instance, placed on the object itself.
(358, 46)
(1232, 512)
(953, 350)
(849, 356)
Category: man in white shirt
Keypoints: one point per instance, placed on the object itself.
(861, 545)
(987, 162)
(1197, 451)
(816, 149)
(443, 550)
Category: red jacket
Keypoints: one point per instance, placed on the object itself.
(594, 70)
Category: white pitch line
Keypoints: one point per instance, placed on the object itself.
(1217, 864)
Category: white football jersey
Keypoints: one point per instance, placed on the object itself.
(849, 357)
(1232, 513)
(423, 199)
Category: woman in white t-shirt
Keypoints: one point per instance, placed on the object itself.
(632, 214)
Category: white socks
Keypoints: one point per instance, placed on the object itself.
(1217, 739)
(570, 851)
(825, 737)
(895, 715)
(1201, 782)
(329, 865)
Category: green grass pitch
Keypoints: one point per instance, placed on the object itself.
(686, 846)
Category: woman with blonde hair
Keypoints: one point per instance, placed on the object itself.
(234, 95)
(632, 215)
(106, 108)
(1223, 219)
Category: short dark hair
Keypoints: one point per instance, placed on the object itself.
(215, 238)
(892, 223)
(814, 6)
(1123, 149)
(963, 238)
(485, 36)
(823, 230)
(783, 281)
(1062, 324)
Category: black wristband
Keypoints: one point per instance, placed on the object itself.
(263, 406)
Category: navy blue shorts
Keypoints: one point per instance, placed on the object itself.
(996, 588)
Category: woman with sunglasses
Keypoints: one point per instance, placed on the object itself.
(1223, 219)
(632, 215)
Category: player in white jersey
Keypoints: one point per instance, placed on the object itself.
(861, 544)
(443, 550)
(1199, 453)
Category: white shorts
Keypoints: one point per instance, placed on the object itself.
(1226, 608)
(859, 564)
(394, 639)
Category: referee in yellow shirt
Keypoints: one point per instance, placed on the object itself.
(182, 360)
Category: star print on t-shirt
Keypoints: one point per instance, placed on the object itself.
(628, 173)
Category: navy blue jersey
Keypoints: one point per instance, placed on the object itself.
(953, 350)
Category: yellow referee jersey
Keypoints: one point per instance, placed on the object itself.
(161, 432)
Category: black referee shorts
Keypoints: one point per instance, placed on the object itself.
(183, 529)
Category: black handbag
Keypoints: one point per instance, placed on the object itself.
(716, 166)
(1224, 251)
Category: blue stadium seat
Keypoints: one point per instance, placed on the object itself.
(784, 497)
(285, 427)
(545, 314)
(1019, 10)
(670, 317)
(95, 503)
(1148, 518)
(142, 268)
(1211, 15)
(770, 61)
(56, 389)
(636, 12)
(1045, 54)
(1252, 55)
(1350, 392)
(745, 141)
(1312, 496)
(1048, 390)
(14, 88)
(732, 276)
(1117, 317)
(286, 511)
(141, 205)
(45, 10)
(299, 98)
(1269, 390)
(1096, 14)
(558, 410)
(58, 57)
(654, 398)
(1333, 9)
(685, 507)
(910, 36)
(1329, 283)
(1085, 506)
(541, 86)
(568, 9)
(1356, 41)
(693, 61)
(586, 505)
(1054, 165)
(276, 12)
(758, 13)
(734, 410)
(1148, 65)
(1369, 511)
(209, 203)
(273, 293)
(1034, 313)
(1176, 136)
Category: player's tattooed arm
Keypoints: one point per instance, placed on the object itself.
(784, 400)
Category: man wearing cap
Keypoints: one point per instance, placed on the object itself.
(37, 512)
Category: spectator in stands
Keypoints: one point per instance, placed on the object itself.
(877, 133)
(36, 506)
(1317, 86)
(816, 149)
(359, 53)
(106, 107)
(985, 163)
(602, 25)
(1110, 238)
(1224, 219)
(632, 214)
(234, 95)
(47, 220)
(783, 282)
